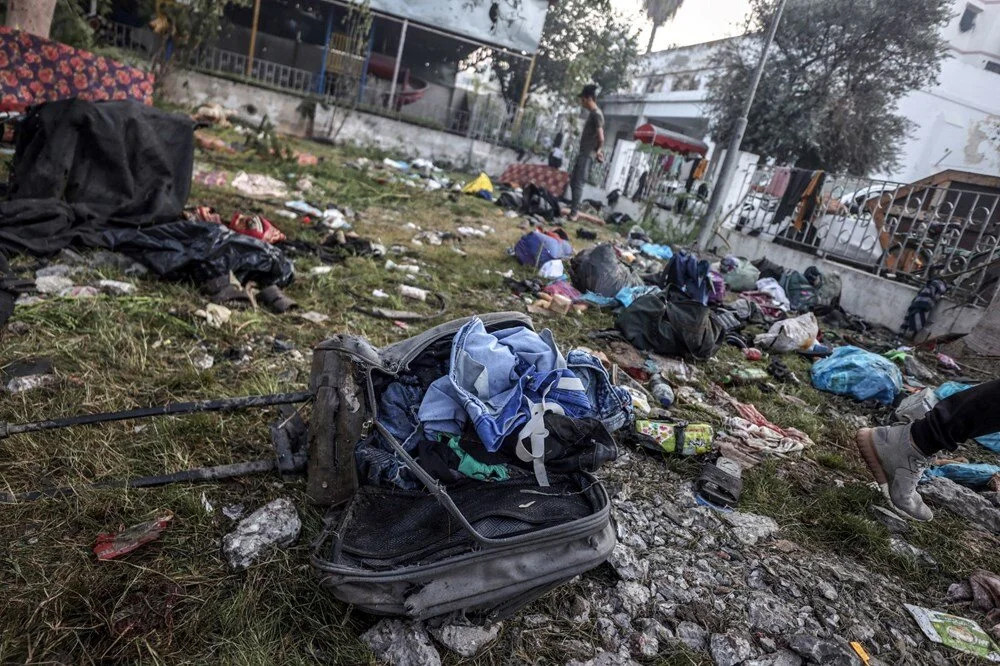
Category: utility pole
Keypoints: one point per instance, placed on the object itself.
(733, 150)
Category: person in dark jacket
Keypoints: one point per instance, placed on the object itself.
(591, 147)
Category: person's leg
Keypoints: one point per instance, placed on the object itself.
(970, 413)
(577, 179)
(897, 455)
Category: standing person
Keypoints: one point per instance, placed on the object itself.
(897, 455)
(591, 146)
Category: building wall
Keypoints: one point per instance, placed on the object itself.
(364, 129)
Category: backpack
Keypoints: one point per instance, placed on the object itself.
(483, 549)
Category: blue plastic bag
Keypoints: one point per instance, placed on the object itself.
(973, 475)
(657, 251)
(992, 442)
(858, 373)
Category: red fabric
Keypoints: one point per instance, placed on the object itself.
(257, 227)
(35, 70)
(665, 138)
(553, 180)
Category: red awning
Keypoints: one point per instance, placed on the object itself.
(664, 138)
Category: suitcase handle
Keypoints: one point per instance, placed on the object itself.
(441, 495)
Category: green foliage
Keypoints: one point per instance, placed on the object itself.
(833, 77)
(659, 12)
(583, 41)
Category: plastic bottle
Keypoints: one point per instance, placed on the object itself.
(662, 392)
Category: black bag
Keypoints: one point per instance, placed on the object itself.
(539, 201)
(671, 324)
(598, 270)
(480, 548)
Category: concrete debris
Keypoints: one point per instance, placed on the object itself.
(24, 300)
(893, 522)
(691, 635)
(823, 651)
(466, 640)
(314, 317)
(901, 547)
(52, 284)
(401, 644)
(203, 361)
(750, 528)
(275, 524)
(729, 649)
(55, 270)
(779, 658)
(962, 501)
(116, 287)
(606, 659)
(233, 511)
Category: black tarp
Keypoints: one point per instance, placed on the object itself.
(599, 270)
(117, 175)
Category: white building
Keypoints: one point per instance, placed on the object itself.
(957, 122)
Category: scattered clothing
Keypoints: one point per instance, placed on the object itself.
(536, 248)
(918, 314)
(671, 324)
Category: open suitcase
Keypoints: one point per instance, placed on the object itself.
(479, 548)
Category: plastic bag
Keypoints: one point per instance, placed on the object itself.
(536, 248)
(858, 373)
(478, 184)
(599, 270)
(992, 441)
(790, 334)
(771, 287)
(973, 475)
(743, 277)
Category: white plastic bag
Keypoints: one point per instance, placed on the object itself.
(789, 334)
(771, 286)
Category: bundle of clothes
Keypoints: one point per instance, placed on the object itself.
(117, 175)
(491, 405)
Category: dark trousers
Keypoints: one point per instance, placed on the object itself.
(579, 176)
(970, 413)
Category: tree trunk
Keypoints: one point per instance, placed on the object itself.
(985, 336)
(652, 36)
(34, 16)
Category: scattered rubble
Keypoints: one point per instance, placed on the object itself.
(402, 643)
(274, 524)
(466, 640)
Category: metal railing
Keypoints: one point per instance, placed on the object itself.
(908, 232)
(483, 116)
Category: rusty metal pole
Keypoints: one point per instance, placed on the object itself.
(253, 37)
(524, 95)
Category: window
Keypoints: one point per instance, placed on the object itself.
(992, 66)
(654, 84)
(968, 21)
(686, 82)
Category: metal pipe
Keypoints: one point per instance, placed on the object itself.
(399, 58)
(217, 405)
(524, 95)
(732, 152)
(253, 37)
(214, 473)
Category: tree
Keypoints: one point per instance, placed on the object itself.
(34, 16)
(659, 12)
(828, 95)
(583, 41)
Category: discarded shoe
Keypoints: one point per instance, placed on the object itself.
(897, 466)
(275, 300)
(720, 482)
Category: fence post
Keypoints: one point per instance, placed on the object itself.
(399, 58)
(253, 37)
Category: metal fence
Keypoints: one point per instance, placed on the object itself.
(452, 109)
(948, 229)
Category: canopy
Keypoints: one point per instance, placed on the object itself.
(664, 138)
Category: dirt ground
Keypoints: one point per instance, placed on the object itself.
(175, 600)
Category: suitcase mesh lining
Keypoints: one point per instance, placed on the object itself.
(385, 528)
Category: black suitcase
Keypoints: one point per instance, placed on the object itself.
(481, 548)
